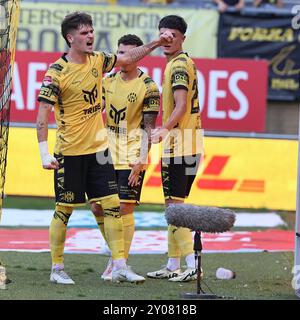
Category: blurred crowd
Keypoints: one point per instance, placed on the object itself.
(222, 5)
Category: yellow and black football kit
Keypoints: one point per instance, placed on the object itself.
(85, 165)
(125, 104)
(78, 176)
(75, 91)
(184, 143)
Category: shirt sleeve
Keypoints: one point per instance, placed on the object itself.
(103, 88)
(179, 75)
(50, 89)
(103, 92)
(109, 61)
(152, 97)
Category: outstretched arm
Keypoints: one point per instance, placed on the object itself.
(48, 161)
(138, 53)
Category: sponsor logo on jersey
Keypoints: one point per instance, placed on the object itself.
(117, 115)
(69, 196)
(95, 72)
(116, 130)
(90, 96)
(132, 97)
(180, 77)
(92, 109)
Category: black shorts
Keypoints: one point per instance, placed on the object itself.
(79, 176)
(178, 175)
(127, 193)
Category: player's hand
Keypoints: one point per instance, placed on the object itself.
(239, 6)
(222, 6)
(49, 162)
(165, 38)
(257, 3)
(134, 177)
(158, 134)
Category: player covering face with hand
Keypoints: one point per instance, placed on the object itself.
(182, 144)
(73, 86)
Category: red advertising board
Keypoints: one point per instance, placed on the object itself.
(232, 92)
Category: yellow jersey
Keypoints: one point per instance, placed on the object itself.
(125, 104)
(75, 91)
(186, 138)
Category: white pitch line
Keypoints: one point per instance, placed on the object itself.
(84, 218)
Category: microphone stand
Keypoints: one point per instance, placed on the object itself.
(200, 293)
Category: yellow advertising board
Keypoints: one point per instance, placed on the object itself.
(39, 28)
(241, 173)
(235, 172)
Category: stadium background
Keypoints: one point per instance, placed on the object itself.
(252, 97)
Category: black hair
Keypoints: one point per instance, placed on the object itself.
(130, 39)
(73, 21)
(173, 22)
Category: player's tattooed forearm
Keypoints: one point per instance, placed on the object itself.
(40, 125)
(149, 121)
(46, 106)
(138, 53)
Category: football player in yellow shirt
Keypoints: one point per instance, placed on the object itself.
(131, 99)
(82, 163)
(182, 144)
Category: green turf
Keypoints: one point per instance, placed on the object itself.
(49, 203)
(29, 202)
(260, 276)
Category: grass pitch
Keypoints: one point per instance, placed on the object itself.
(260, 276)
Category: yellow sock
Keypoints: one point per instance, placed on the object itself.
(113, 226)
(100, 223)
(128, 225)
(57, 233)
(173, 248)
(184, 240)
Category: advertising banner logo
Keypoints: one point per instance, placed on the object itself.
(232, 92)
(234, 172)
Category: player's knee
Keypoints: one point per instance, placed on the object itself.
(63, 213)
(97, 210)
(65, 209)
(126, 208)
(172, 201)
(111, 205)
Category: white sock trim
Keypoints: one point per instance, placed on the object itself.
(119, 264)
(190, 261)
(173, 264)
(58, 266)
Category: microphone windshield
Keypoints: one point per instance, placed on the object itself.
(205, 219)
